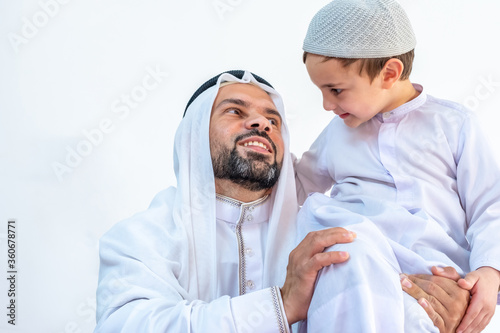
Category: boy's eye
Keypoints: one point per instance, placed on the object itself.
(336, 91)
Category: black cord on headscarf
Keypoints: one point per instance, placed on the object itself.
(237, 73)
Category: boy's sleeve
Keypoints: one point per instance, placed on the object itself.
(311, 171)
(478, 181)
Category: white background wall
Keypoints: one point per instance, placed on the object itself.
(67, 67)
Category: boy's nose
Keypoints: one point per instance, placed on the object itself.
(329, 105)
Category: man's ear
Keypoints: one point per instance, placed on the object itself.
(391, 72)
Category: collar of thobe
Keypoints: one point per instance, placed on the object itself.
(234, 211)
(399, 112)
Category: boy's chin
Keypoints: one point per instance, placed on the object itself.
(353, 123)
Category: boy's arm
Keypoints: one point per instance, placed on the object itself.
(478, 176)
(478, 179)
(311, 170)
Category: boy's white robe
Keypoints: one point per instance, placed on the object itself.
(421, 187)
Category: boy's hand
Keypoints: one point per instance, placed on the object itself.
(483, 285)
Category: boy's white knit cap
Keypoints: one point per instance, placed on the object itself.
(360, 29)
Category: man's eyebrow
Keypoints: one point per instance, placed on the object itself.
(243, 103)
(236, 101)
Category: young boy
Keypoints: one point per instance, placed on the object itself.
(413, 175)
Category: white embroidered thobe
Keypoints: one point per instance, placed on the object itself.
(134, 251)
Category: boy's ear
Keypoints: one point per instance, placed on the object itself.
(391, 72)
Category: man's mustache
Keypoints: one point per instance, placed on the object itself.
(255, 132)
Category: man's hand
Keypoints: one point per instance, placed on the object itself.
(304, 263)
(483, 284)
(440, 296)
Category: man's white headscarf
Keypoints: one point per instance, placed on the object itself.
(184, 218)
(195, 197)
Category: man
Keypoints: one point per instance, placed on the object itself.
(210, 255)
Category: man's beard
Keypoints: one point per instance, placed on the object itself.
(253, 172)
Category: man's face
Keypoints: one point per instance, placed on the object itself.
(245, 137)
(348, 94)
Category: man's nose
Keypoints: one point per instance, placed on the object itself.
(259, 122)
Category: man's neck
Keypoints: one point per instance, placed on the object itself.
(229, 189)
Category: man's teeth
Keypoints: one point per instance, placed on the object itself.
(255, 143)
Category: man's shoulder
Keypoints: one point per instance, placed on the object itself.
(152, 222)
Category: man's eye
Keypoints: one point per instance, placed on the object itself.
(273, 122)
(336, 91)
(233, 111)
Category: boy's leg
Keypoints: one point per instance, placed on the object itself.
(364, 294)
(360, 295)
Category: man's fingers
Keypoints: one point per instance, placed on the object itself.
(436, 318)
(411, 289)
(448, 285)
(320, 260)
(430, 291)
(325, 238)
(317, 241)
(447, 272)
(424, 290)
(304, 262)
(447, 299)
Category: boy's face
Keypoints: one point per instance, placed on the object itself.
(348, 94)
